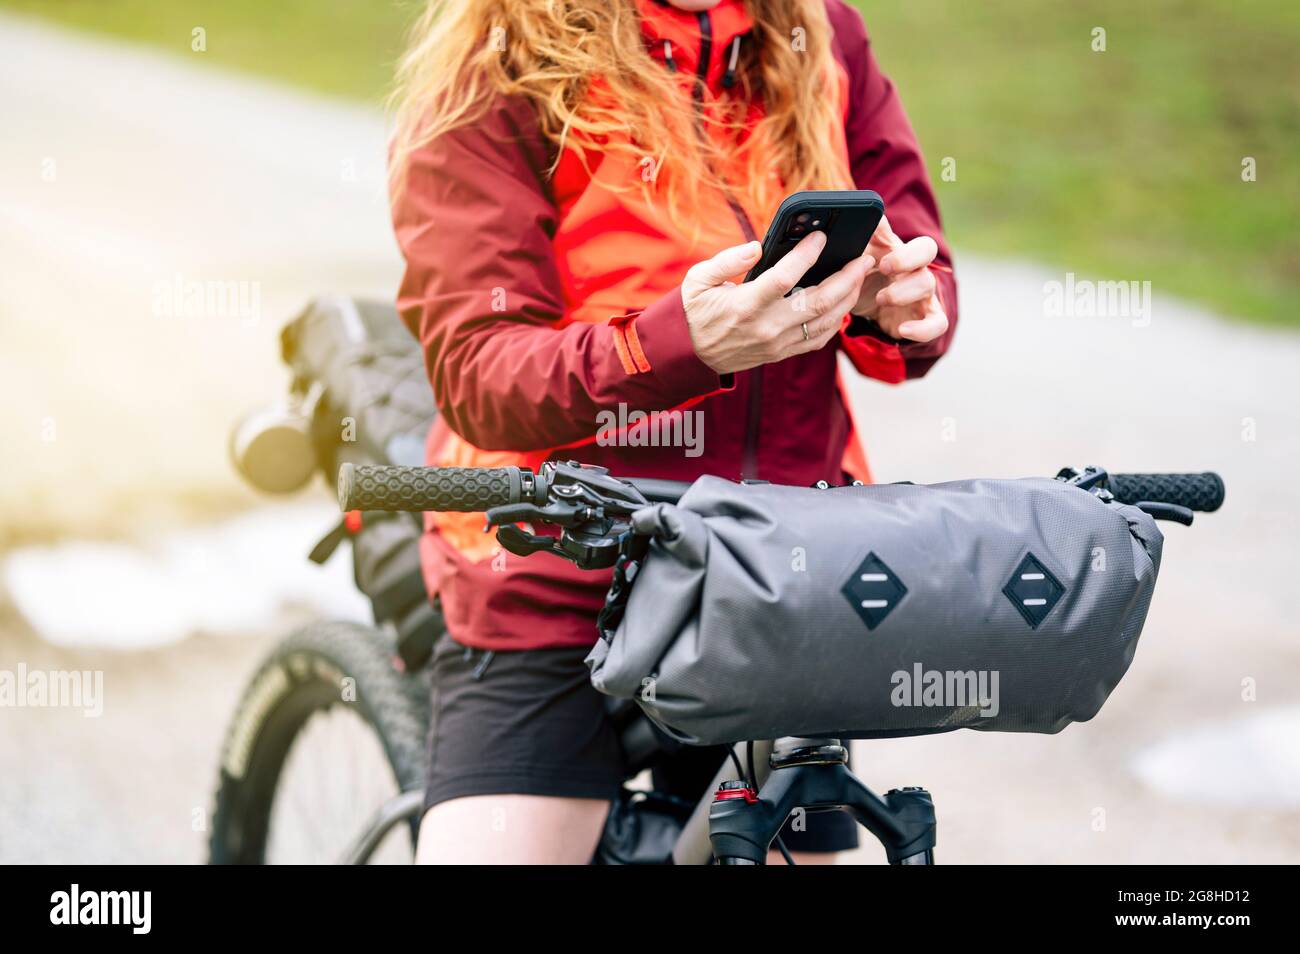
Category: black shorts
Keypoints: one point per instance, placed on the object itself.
(530, 723)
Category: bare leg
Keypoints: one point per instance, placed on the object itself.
(511, 830)
(775, 857)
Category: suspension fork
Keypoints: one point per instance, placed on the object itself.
(813, 774)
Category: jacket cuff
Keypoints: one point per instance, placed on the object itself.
(658, 344)
(926, 352)
(860, 326)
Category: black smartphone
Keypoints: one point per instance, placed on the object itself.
(848, 217)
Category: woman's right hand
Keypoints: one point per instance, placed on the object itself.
(738, 327)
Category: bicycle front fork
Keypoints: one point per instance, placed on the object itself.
(813, 775)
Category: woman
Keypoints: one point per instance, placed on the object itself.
(577, 189)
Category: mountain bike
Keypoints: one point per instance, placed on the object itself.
(737, 821)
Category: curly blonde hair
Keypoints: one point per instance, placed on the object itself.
(584, 66)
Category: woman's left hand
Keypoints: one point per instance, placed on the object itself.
(899, 293)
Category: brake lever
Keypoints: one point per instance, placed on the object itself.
(522, 543)
(557, 512)
(1166, 511)
(590, 508)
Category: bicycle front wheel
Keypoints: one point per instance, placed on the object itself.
(327, 734)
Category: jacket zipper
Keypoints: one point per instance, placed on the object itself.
(706, 52)
(753, 413)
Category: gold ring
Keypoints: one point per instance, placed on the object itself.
(804, 326)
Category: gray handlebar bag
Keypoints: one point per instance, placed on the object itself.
(762, 611)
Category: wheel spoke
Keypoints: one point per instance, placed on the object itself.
(336, 775)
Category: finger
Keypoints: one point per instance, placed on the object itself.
(884, 239)
(821, 334)
(834, 321)
(907, 289)
(726, 265)
(917, 253)
(847, 282)
(782, 277)
(932, 326)
(821, 328)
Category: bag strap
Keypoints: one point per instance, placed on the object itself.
(631, 554)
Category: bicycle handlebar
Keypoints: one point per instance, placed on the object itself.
(475, 489)
(458, 489)
(1194, 491)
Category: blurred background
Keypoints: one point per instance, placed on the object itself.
(149, 145)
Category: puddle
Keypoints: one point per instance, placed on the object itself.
(227, 578)
(1253, 761)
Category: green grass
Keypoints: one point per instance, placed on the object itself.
(1124, 163)
(341, 47)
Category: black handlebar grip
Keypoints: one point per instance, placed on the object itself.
(462, 489)
(1193, 491)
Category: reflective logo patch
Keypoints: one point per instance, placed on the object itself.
(1033, 591)
(873, 591)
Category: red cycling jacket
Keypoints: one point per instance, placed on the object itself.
(550, 314)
